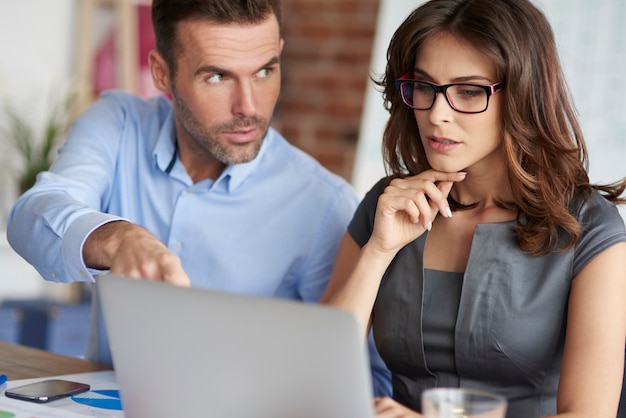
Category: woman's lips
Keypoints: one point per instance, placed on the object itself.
(441, 144)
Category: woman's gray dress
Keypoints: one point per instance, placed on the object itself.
(500, 326)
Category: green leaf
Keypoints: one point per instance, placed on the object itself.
(36, 153)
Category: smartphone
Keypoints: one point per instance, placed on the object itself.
(46, 390)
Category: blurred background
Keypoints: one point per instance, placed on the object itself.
(57, 55)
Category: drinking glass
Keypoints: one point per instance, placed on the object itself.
(462, 403)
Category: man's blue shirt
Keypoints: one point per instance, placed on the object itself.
(270, 227)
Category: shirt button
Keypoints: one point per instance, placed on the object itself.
(83, 274)
(177, 245)
(53, 274)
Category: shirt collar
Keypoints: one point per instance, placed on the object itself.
(165, 148)
(235, 174)
(232, 176)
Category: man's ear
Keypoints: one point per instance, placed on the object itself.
(160, 72)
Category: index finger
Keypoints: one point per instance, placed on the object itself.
(439, 184)
(175, 275)
(438, 176)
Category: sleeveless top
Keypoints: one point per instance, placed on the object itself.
(509, 330)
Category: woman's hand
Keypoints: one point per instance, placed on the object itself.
(388, 408)
(409, 206)
(405, 210)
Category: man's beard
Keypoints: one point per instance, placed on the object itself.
(207, 137)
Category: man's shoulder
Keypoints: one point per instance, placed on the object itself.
(133, 105)
(291, 175)
(303, 163)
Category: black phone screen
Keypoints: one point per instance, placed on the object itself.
(46, 390)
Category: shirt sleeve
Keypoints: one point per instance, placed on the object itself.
(50, 222)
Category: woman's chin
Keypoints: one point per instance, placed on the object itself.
(447, 168)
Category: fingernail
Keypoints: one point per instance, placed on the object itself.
(462, 173)
(448, 212)
(429, 225)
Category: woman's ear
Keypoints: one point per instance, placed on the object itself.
(160, 72)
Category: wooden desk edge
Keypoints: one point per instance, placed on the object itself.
(21, 362)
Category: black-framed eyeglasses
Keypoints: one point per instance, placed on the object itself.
(464, 98)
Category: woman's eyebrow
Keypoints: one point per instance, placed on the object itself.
(462, 79)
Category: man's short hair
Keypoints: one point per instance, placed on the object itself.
(166, 14)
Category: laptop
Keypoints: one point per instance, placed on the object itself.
(181, 352)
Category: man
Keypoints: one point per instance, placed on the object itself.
(198, 191)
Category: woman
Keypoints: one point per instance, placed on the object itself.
(486, 259)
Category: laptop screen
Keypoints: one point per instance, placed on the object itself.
(196, 352)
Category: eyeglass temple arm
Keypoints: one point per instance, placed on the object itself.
(495, 87)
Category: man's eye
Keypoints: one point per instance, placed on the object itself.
(265, 72)
(215, 78)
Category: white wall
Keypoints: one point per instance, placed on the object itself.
(36, 50)
(368, 164)
(592, 42)
(37, 37)
(36, 46)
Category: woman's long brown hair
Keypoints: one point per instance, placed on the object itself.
(543, 142)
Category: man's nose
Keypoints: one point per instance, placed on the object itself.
(243, 100)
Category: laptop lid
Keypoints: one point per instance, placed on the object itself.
(181, 352)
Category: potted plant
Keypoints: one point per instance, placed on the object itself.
(36, 147)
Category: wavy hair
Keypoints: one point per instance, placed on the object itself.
(543, 142)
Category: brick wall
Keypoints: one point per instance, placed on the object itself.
(325, 68)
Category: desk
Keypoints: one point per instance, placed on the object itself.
(21, 362)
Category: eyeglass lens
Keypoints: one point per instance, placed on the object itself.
(461, 97)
